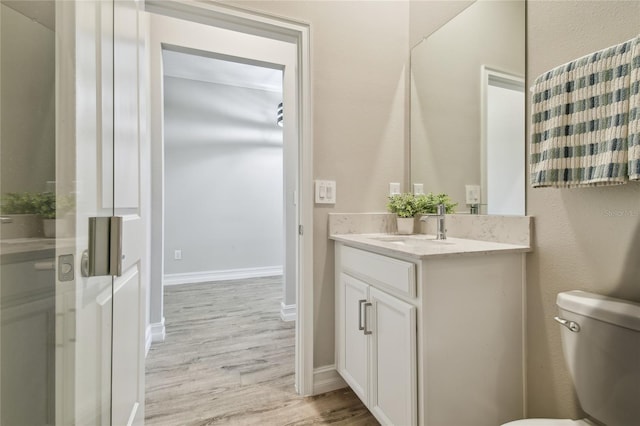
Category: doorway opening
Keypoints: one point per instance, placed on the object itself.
(287, 54)
(224, 171)
(503, 138)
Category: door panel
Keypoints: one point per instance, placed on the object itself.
(86, 353)
(126, 125)
(129, 292)
(393, 362)
(353, 364)
(125, 348)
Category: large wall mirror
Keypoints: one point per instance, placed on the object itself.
(467, 109)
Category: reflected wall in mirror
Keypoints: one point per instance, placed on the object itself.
(467, 108)
(28, 345)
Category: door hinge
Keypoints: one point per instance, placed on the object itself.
(300, 230)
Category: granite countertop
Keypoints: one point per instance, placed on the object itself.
(422, 246)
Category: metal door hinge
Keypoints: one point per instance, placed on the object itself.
(300, 230)
(104, 255)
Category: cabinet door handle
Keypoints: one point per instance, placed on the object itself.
(360, 302)
(365, 318)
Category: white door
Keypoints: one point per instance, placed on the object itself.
(353, 348)
(99, 335)
(129, 289)
(393, 374)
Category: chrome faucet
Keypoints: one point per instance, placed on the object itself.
(441, 230)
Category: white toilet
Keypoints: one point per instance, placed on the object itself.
(601, 345)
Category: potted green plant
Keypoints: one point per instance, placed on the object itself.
(45, 204)
(405, 207)
(14, 203)
(20, 219)
(428, 203)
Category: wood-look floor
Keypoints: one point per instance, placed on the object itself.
(228, 358)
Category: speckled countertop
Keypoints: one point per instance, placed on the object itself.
(423, 246)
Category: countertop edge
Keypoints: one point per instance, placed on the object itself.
(382, 247)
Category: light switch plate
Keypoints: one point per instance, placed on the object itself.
(394, 188)
(325, 191)
(418, 188)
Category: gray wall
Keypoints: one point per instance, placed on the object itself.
(359, 55)
(28, 103)
(587, 238)
(223, 177)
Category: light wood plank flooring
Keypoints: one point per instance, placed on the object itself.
(229, 359)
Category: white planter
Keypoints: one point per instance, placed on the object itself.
(405, 225)
(21, 226)
(49, 227)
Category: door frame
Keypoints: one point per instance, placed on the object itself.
(298, 33)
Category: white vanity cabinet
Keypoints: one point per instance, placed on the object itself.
(432, 340)
(377, 355)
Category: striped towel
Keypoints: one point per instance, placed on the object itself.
(586, 120)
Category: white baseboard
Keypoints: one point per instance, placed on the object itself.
(327, 379)
(287, 312)
(223, 275)
(158, 331)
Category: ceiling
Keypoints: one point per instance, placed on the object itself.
(211, 70)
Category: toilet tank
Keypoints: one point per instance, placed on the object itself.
(603, 356)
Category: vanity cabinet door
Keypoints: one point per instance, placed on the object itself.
(352, 345)
(393, 366)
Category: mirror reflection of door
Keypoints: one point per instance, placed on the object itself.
(503, 142)
(70, 126)
(27, 196)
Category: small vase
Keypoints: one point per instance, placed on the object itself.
(405, 225)
(49, 228)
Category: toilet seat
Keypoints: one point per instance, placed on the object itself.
(549, 422)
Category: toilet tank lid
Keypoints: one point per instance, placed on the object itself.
(614, 311)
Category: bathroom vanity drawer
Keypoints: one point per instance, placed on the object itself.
(396, 275)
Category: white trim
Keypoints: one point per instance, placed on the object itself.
(230, 17)
(304, 296)
(288, 312)
(158, 331)
(147, 340)
(221, 275)
(327, 379)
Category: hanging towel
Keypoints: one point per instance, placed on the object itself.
(586, 120)
(634, 113)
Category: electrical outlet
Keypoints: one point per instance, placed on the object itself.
(472, 193)
(418, 188)
(177, 255)
(394, 188)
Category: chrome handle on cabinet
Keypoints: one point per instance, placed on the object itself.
(360, 302)
(571, 325)
(365, 318)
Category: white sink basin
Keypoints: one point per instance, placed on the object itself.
(410, 240)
